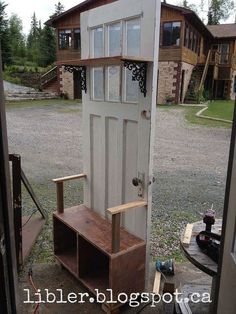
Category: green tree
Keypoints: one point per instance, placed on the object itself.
(219, 10)
(59, 8)
(47, 46)
(16, 37)
(190, 6)
(33, 41)
(4, 36)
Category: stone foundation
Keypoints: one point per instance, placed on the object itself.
(188, 68)
(232, 94)
(166, 79)
(66, 83)
(169, 80)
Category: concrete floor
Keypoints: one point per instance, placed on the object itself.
(52, 277)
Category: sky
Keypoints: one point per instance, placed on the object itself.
(44, 8)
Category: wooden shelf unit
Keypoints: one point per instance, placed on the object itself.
(82, 244)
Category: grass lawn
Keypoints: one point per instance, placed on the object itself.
(190, 116)
(222, 109)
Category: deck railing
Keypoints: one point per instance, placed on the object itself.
(49, 76)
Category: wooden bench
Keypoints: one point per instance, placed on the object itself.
(98, 252)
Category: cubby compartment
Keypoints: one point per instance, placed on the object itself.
(93, 266)
(82, 243)
(65, 245)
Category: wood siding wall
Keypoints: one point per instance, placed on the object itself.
(181, 53)
(72, 21)
(173, 53)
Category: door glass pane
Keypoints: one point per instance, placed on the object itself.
(98, 42)
(113, 83)
(114, 39)
(98, 83)
(133, 37)
(131, 88)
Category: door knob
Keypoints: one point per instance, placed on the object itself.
(139, 182)
(136, 181)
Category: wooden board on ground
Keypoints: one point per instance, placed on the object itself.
(30, 232)
(157, 282)
(187, 235)
(193, 307)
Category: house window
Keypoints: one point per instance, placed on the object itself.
(199, 45)
(171, 34)
(194, 42)
(190, 41)
(77, 39)
(97, 42)
(186, 35)
(133, 37)
(65, 38)
(114, 39)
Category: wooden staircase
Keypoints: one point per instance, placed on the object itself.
(49, 81)
(194, 84)
(197, 81)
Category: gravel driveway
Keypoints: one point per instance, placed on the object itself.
(190, 165)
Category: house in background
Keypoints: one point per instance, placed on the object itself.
(194, 59)
(67, 26)
(224, 54)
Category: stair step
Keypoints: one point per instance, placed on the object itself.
(31, 96)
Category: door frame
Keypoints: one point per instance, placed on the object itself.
(8, 267)
(226, 210)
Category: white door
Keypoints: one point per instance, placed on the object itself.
(227, 277)
(118, 113)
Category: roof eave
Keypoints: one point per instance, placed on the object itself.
(54, 19)
(200, 23)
